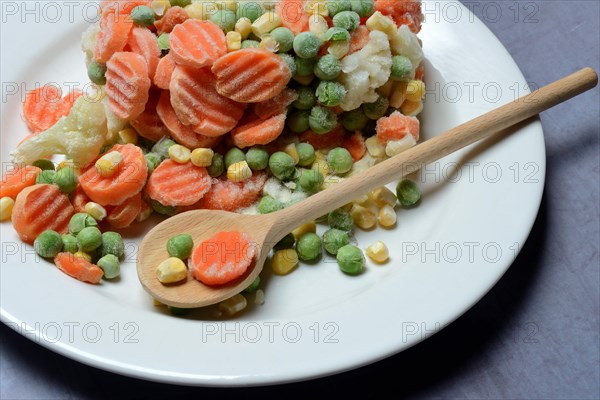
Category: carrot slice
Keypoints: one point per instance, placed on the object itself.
(223, 258)
(128, 180)
(251, 75)
(143, 42)
(355, 144)
(79, 199)
(41, 207)
(326, 141)
(276, 105)
(44, 106)
(124, 214)
(359, 38)
(173, 184)
(164, 72)
(259, 131)
(396, 126)
(403, 12)
(180, 133)
(420, 73)
(78, 267)
(197, 104)
(293, 15)
(113, 34)
(14, 181)
(127, 84)
(148, 124)
(173, 17)
(197, 44)
(229, 196)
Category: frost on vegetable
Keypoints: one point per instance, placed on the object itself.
(365, 71)
(114, 124)
(88, 42)
(79, 136)
(406, 43)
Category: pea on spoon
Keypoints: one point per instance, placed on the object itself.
(267, 230)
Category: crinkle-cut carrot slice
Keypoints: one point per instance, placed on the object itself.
(197, 44)
(276, 105)
(148, 124)
(122, 6)
(129, 178)
(293, 15)
(251, 75)
(231, 196)
(14, 181)
(403, 12)
(355, 144)
(327, 141)
(127, 84)
(173, 17)
(124, 214)
(180, 133)
(396, 126)
(44, 106)
(164, 72)
(41, 207)
(113, 34)
(174, 184)
(143, 42)
(223, 258)
(79, 199)
(359, 38)
(78, 267)
(259, 131)
(197, 104)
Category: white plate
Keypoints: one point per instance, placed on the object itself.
(446, 254)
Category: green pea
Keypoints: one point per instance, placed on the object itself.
(282, 165)
(253, 287)
(225, 19)
(257, 158)
(328, 68)
(348, 20)
(376, 109)
(364, 8)
(112, 243)
(287, 242)
(96, 72)
(307, 45)
(340, 219)
(180, 246)
(48, 244)
(309, 247)
(322, 120)
(401, 68)
(290, 61)
(234, 155)
(250, 9)
(336, 6)
(284, 37)
(305, 66)
(306, 154)
(110, 265)
(70, 243)
(298, 121)
(152, 161)
(162, 209)
(80, 221)
(337, 34)
(339, 161)
(250, 44)
(331, 94)
(162, 147)
(66, 179)
(164, 42)
(334, 239)
(269, 204)
(408, 193)
(306, 98)
(311, 180)
(355, 120)
(179, 310)
(44, 164)
(351, 259)
(217, 166)
(89, 239)
(143, 16)
(46, 176)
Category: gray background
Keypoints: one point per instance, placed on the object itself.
(534, 335)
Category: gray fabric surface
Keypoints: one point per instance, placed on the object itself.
(535, 335)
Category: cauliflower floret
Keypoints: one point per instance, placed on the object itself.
(365, 71)
(79, 136)
(88, 42)
(406, 43)
(114, 124)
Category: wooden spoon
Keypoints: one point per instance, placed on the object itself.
(267, 230)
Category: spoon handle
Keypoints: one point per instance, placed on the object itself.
(437, 147)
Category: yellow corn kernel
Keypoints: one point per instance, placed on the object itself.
(227, 5)
(95, 210)
(378, 252)
(171, 270)
(65, 163)
(180, 154)
(239, 172)
(6, 207)
(363, 200)
(259, 297)
(320, 164)
(395, 147)
(318, 25)
(339, 48)
(233, 305)
(309, 227)
(383, 196)
(363, 217)
(234, 41)
(127, 136)
(244, 27)
(415, 91)
(266, 23)
(144, 214)
(160, 7)
(83, 255)
(374, 147)
(201, 10)
(316, 7)
(290, 149)
(411, 108)
(269, 43)
(387, 216)
(157, 303)
(379, 22)
(398, 95)
(108, 164)
(284, 261)
(202, 157)
(304, 80)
